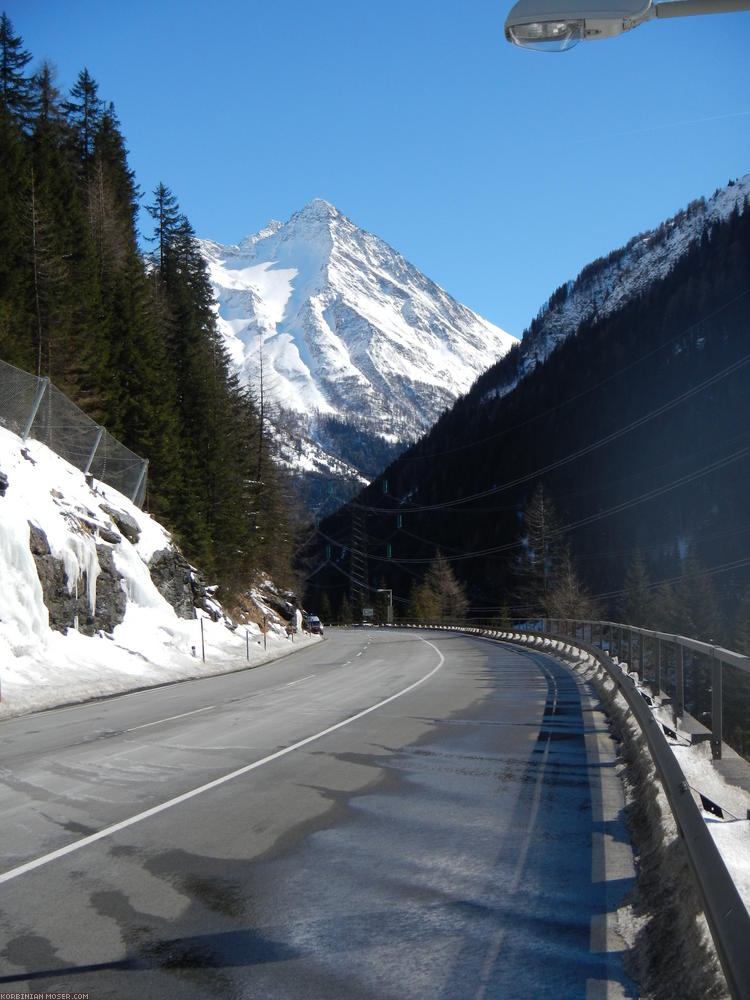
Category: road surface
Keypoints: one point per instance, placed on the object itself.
(386, 814)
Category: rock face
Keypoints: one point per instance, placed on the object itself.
(173, 578)
(66, 609)
(124, 522)
(3, 484)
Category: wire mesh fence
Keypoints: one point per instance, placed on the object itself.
(32, 407)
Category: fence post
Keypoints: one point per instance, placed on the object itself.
(42, 388)
(137, 489)
(99, 436)
(679, 679)
(717, 721)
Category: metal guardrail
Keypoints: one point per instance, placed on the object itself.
(631, 643)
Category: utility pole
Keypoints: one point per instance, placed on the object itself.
(389, 612)
(359, 586)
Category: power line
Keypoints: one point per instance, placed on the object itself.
(571, 399)
(599, 515)
(580, 452)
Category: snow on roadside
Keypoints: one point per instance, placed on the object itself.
(41, 668)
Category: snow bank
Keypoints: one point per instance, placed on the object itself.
(41, 668)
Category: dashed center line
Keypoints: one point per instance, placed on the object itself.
(309, 676)
(170, 718)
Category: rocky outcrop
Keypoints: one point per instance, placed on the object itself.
(3, 484)
(125, 523)
(71, 610)
(172, 576)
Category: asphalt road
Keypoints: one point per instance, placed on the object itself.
(385, 814)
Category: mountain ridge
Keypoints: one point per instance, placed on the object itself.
(343, 326)
(606, 284)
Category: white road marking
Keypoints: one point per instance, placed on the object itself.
(291, 683)
(170, 718)
(77, 845)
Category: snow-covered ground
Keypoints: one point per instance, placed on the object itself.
(40, 667)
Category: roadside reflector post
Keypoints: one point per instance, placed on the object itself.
(203, 643)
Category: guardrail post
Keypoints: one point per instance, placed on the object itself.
(642, 650)
(679, 679)
(630, 649)
(657, 682)
(717, 721)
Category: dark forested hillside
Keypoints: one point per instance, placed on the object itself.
(636, 428)
(131, 340)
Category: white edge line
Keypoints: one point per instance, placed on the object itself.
(170, 718)
(77, 845)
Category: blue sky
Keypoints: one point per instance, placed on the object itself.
(498, 172)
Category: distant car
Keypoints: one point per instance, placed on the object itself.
(316, 626)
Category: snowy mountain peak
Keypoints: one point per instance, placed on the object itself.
(344, 326)
(318, 208)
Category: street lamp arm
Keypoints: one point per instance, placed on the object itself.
(557, 25)
(687, 8)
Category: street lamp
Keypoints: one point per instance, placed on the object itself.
(556, 25)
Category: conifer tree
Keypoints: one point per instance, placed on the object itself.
(46, 99)
(14, 85)
(15, 314)
(345, 611)
(742, 625)
(664, 610)
(442, 597)
(165, 212)
(541, 551)
(567, 597)
(637, 600)
(84, 112)
(697, 603)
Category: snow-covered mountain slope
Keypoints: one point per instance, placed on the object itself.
(605, 285)
(86, 576)
(344, 326)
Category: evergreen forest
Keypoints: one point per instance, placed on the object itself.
(129, 335)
